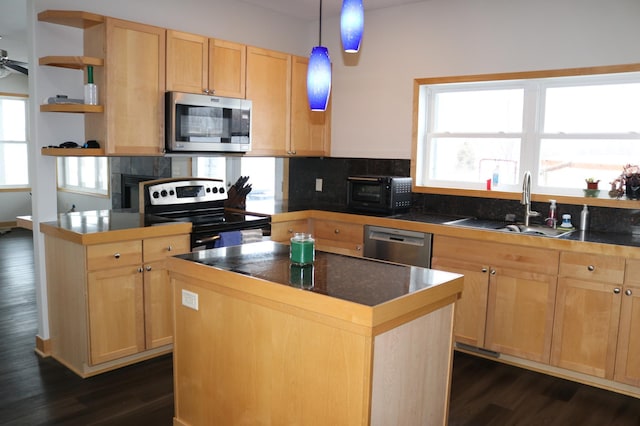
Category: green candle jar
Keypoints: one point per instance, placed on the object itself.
(302, 250)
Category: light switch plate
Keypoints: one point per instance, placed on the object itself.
(319, 185)
(190, 299)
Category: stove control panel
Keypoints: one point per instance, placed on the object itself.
(187, 191)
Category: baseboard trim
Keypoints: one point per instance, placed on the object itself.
(43, 347)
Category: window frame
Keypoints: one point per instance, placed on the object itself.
(530, 143)
(25, 99)
(61, 175)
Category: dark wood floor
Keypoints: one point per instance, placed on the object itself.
(35, 391)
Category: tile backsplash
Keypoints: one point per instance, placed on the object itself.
(334, 171)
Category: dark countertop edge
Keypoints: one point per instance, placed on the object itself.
(407, 307)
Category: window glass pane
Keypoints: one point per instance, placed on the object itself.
(475, 160)
(213, 167)
(480, 111)
(14, 170)
(261, 172)
(607, 108)
(13, 118)
(598, 159)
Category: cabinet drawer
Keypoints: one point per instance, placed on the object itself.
(283, 231)
(112, 255)
(160, 248)
(594, 267)
(509, 256)
(338, 231)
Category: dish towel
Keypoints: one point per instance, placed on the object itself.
(230, 238)
(251, 235)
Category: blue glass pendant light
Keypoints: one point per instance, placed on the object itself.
(319, 74)
(351, 25)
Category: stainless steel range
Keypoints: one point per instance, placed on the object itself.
(200, 201)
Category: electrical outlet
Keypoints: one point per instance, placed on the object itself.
(190, 299)
(319, 185)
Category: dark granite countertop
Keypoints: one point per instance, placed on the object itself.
(364, 281)
(87, 222)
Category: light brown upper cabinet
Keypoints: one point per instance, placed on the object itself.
(310, 130)
(131, 86)
(269, 88)
(197, 64)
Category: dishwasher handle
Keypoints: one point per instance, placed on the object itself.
(397, 236)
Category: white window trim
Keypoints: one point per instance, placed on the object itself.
(531, 139)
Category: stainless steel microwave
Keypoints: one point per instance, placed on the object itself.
(203, 123)
(379, 194)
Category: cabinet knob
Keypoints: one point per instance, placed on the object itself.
(616, 290)
(591, 268)
(117, 255)
(290, 231)
(484, 269)
(493, 272)
(140, 269)
(148, 267)
(628, 292)
(170, 248)
(358, 247)
(337, 231)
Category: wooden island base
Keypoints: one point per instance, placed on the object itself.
(261, 353)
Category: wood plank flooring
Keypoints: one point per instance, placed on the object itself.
(35, 391)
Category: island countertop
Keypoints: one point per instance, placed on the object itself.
(371, 291)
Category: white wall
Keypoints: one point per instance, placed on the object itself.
(372, 100)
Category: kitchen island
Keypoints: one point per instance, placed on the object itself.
(345, 341)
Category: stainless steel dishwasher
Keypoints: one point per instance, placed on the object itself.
(398, 245)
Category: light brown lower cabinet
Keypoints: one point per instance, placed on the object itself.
(588, 313)
(508, 298)
(627, 368)
(110, 303)
(330, 235)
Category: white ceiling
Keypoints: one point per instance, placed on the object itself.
(14, 34)
(310, 9)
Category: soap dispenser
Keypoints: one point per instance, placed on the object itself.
(552, 219)
(584, 218)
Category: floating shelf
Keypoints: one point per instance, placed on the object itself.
(75, 108)
(71, 18)
(73, 152)
(73, 62)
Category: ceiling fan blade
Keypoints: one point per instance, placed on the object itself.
(19, 68)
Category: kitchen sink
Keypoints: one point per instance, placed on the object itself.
(517, 228)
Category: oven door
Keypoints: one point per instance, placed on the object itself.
(237, 229)
(201, 123)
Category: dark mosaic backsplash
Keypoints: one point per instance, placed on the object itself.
(334, 172)
(142, 167)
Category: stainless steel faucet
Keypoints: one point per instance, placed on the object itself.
(526, 198)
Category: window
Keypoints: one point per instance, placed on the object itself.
(89, 175)
(265, 174)
(563, 129)
(14, 162)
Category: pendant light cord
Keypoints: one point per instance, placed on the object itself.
(320, 26)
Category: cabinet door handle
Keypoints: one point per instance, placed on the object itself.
(591, 268)
(628, 292)
(170, 248)
(117, 255)
(148, 267)
(616, 290)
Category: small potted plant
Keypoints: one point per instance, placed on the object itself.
(631, 178)
(592, 183)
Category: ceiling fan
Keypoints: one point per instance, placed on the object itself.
(7, 65)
